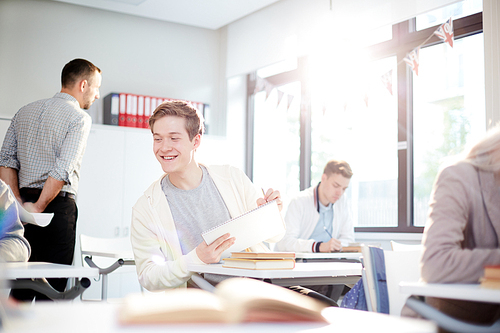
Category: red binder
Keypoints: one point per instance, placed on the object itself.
(122, 115)
(128, 121)
(147, 111)
(134, 111)
(140, 111)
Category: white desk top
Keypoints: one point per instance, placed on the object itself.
(76, 317)
(301, 270)
(468, 292)
(37, 270)
(334, 255)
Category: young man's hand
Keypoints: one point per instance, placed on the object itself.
(333, 245)
(270, 195)
(210, 254)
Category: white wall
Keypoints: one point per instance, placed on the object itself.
(136, 55)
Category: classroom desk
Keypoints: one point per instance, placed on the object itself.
(466, 292)
(32, 275)
(332, 257)
(305, 274)
(125, 255)
(76, 317)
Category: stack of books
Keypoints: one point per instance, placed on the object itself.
(260, 260)
(491, 278)
(352, 247)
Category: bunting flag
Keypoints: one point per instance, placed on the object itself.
(280, 96)
(290, 99)
(263, 85)
(259, 85)
(268, 88)
(387, 80)
(445, 32)
(412, 60)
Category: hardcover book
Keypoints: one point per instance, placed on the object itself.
(259, 263)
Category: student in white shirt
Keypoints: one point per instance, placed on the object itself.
(319, 218)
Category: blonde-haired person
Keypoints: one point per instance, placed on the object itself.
(463, 227)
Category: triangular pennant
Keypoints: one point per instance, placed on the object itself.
(280, 96)
(412, 60)
(268, 87)
(387, 80)
(259, 85)
(290, 99)
(445, 32)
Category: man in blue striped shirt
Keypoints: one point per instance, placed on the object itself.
(41, 158)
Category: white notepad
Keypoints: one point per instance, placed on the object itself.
(249, 229)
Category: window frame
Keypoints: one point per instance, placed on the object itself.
(404, 39)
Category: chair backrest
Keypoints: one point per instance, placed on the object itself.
(118, 246)
(396, 246)
(374, 280)
(400, 266)
(368, 279)
(395, 267)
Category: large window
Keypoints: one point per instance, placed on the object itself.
(276, 147)
(360, 128)
(448, 111)
(366, 106)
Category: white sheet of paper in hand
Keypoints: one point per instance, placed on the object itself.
(39, 219)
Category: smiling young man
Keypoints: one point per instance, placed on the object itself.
(319, 218)
(169, 218)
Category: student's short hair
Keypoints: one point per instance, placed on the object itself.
(183, 109)
(76, 70)
(337, 166)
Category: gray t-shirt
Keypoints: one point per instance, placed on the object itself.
(196, 210)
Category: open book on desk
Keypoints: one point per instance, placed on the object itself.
(249, 229)
(39, 219)
(233, 301)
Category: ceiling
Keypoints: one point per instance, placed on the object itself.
(208, 14)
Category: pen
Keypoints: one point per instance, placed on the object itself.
(328, 232)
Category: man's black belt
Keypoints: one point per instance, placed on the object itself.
(37, 191)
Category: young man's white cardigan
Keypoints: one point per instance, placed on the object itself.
(301, 219)
(158, 257)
